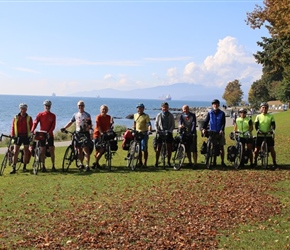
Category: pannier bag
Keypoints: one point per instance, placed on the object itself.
(126, 144)
(203, 149)
(231, 153)
(128, 135)
(110, 135)
(114, 145)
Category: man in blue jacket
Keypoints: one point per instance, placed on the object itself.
(216, 120)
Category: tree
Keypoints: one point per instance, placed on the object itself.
(233, 93)
(258, 93)
(276, 15)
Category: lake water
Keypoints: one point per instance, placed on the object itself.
(64, 107)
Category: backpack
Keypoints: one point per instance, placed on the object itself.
(231, 153)
(114, 145)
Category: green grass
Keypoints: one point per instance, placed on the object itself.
(150, 208)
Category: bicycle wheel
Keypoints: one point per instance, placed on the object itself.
(264, 154)
(163, 154)
(108, 156)
(130, 154)
(20, 159)
(209, 155)
(179, 156)
(36, 162)
(239, 156)
(4, 163)
(68, 158)
(135, 160)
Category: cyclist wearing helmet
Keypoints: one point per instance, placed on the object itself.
(104, 123)
(245, 124)
(47, 121)
(83, 122)
(164, 121)
(265, 123)
(20, 129)
(216, 120)
(142, 124)
(188, 120)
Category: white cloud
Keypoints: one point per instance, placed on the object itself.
(231, 61)
(78, 62)
(165, 59)
(26, 70)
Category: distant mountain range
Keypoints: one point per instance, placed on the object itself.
(177, 91)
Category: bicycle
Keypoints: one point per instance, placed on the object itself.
(180, 152)
(71, 154)
(110, 145)
(263, 153)
(134, 150)
(37, 137)
(212, 149)
(8, 157)
(240, 151)
(163, 151)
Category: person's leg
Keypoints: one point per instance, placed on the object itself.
(87, 153)
(157, 154)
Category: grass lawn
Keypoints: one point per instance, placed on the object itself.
(149, 208)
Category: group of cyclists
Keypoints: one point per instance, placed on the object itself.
(23, 127)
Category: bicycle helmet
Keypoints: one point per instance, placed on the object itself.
(242, 110)
(140, 105)
(23, 106)
(215, 101)
(264, 104)
(47, 103)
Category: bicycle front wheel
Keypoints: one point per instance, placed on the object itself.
(179, 156)
(209, 155)
(264, 154)
(4, 163)
(108, 156)
(68, 158)
(37, 162)
(239, 156)
(163, 154)
(135, 156)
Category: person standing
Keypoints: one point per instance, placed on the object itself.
(164, 121)
(188, 120)
(83, 122)
(104, 123)
(217, 121)
(142, 124)
(265, 123)
(20, 129)
(244, 124)
(47, 121)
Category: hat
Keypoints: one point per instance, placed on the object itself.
(23, 106)
(164, 104)
(140, 105)
(215, 101)
(243, 110)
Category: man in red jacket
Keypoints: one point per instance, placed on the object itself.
(20, 129)
(47, 122)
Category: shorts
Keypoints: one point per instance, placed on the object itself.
(22, 140)
(169, 138)
(246, 140)
(270, 141)
(144, 143)
(49, 141)
(84, 140)
(191, 146)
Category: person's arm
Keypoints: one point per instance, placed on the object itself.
(35, 123)
(180, 122)
(12, 128)
(251, 127)
(206, 121)
(223, 122)
(193, 124)
(235, 127)
(257, 122)
(52, 127)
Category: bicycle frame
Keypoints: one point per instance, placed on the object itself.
(38, 150)
(263, 153)
(163, 150)
(180, 152)
(210, 156)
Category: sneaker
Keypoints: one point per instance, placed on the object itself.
(24, 169)
(156, 165)
(81, 167)
(13, 171)
(43, 169)
(169, 164)
(194, 166)
(87, 169)
(53, 169)
(224, 165)
(275, 166)
(96, 165)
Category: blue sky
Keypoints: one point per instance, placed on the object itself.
(69, 46)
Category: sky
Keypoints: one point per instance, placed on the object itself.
(64, 47)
